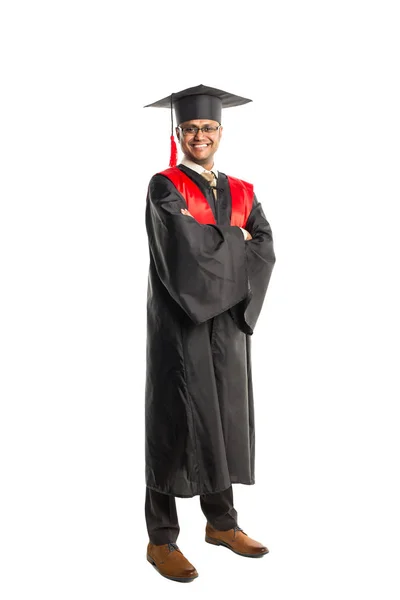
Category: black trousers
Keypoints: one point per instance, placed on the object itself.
(162, 518)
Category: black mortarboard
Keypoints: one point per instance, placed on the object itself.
(200, 102)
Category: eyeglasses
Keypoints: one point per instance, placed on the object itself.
(195, 130)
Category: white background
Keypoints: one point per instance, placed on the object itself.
(320, 142)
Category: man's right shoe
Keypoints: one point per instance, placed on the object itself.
(169, 561)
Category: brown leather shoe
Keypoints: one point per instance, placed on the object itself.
(236, 540)
(169, 561)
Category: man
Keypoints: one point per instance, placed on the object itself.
(211, 258)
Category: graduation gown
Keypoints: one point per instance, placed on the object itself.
(206, 288)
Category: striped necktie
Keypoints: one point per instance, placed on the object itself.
(210, 177)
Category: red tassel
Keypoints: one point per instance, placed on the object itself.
(174, 153)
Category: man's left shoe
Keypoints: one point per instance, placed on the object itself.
(236, 540)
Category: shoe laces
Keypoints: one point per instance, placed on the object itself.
(236, 529)
(172, 546)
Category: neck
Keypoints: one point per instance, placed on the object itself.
(206, 165)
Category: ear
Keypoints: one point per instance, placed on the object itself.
(177, 133)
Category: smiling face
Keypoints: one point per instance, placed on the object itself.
(200, 147)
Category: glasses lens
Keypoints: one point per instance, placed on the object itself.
(190, 130)
(210, 129)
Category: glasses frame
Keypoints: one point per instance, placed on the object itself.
(217, 127)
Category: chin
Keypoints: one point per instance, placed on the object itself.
(201, 159)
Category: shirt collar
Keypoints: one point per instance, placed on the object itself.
(198, 168)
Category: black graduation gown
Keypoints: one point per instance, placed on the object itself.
(206, 288)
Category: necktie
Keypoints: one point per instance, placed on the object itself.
(210, 177)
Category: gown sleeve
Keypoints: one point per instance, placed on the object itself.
(203, 267)
(260, 259)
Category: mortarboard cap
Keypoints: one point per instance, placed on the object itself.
(199, 102)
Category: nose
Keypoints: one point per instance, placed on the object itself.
(199, 134)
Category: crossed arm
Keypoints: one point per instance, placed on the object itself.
(247, 235)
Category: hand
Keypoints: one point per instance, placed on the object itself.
(185, 211)
(248, 236)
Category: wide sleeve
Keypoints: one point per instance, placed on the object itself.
(260, 260)
(203, 267)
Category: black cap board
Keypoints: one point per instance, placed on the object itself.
(199, 102)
